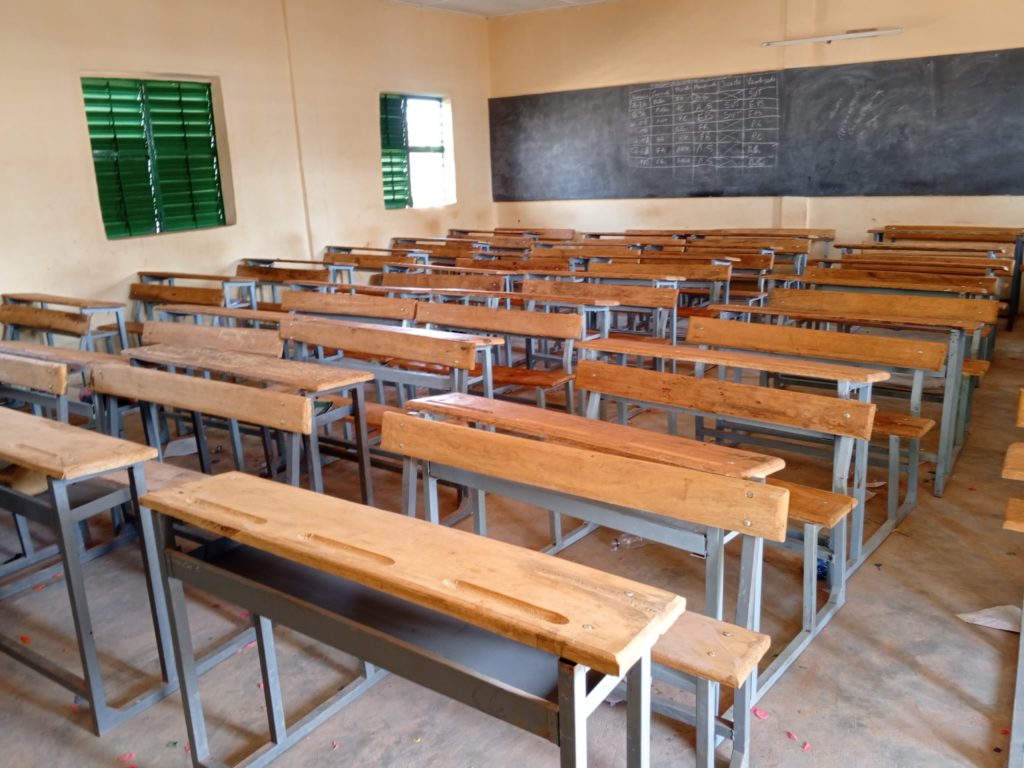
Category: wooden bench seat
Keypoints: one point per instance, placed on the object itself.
(1013, 464)
(976, 367)
(133, 327)
(901, 425)
(713, 650)
(815, 506)
(1014, 516)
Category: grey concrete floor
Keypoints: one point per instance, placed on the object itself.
(895, 679)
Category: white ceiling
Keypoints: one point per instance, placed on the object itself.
(497, 7)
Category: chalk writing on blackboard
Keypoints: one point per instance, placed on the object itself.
(715, 122)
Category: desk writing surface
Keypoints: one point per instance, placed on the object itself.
(751, 361)
(77, 358)
(581, 614)
(568, 429)
(479, 341)
(195, 276)
(303, 376)
(1013, 464)
(61, 451)
(65, 301)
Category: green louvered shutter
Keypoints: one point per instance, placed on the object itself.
(394, 151)
(184, 149)
(120, 152)
(155, 154)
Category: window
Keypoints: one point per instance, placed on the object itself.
(415, 157)
(155, 152)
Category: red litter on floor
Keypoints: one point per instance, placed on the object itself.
(334, 745)
(791, 736)
(127, 757)
(806, 747)
(759, 713)
(38, 587)
(24, 639)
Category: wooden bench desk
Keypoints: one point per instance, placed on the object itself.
(668, 504)
(308, 379)
(87, 307)
(337, 271)
(71, 457)
(418, 600)
(238, 291)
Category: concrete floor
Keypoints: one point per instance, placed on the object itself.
(895, 680)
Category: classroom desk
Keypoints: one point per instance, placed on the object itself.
(936, 246)
(418, 600)
(337, 271)
(309, 379)
(85, 306)
(70, 458)
(957, 329)
(490, 464)
(243, 286)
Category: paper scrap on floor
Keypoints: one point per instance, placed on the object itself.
(184, 446)
(1005, 617)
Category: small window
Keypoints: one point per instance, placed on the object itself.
(415, 151)
(154, 148)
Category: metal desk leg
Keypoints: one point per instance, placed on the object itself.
(70, 552)
(572, 714)
(638, 713)
(363, 445)
(950, 398)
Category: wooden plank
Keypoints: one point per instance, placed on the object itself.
(38, 375)
(64, 301)
(474, 282)
(625, 295)
(504, 321)
(230, 313)
(75, 358)
(298, 375)
(827, 345)
(899, 281)
(262, 407)
(176, 294)
(617, 439)
(828, 415)
(683, 494)
(314, 302)
(203, 276)
(280, 274)
(787, 366)
(850, 317)
(594, 618)
(1013, 464)
(1014, 515)
(965, 267)
(254, 340)
(710, 649)
(926, 247)
(384, 341)
(61, 451)
(951, 232)
(1020, 408)
(37, 318)
(906, 307)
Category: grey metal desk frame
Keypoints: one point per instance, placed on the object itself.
(563, 722)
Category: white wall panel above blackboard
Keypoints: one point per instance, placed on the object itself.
(943, 125)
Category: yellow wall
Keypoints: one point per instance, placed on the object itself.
(342, 54)
(635, 41)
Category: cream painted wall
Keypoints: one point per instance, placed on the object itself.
(299, 82)
(51, 234)
(630, 41)
(344, 55)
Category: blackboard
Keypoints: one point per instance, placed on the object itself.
(942, 125)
